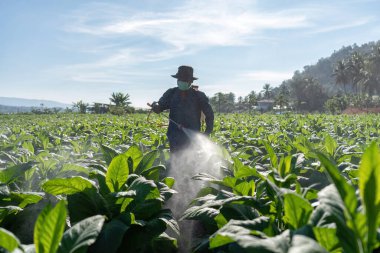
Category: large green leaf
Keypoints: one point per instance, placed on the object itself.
(145, 189)
(166, 216)
(81, 235)
(164, 243)
(327, 238)
(237, 211)
(211, 179)
(147, 201)
(146, 162)
(297, 210)
(10, 174)
(369, 186)
(69, 168)
(200, 212)
(239, 228)
(169, 181)
(49, 228)
(285, 165)
(153, 173)
(212, 206)
(117, 173)
(86, 204)
(165, 192)
(8, 240)
(346, 191)
(100, 178)
(67, 186)
(331, 212)
(136, 156)
(330, 145)
(272, 155)
(242, 171)
(243, 241)
(28, 145)
(26, 198)
(302, 244)
(112, 234)
(245, 188)
(108, 153)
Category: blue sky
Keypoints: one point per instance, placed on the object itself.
(71, 50)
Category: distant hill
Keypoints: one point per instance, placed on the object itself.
(14, 109)
(323, 69)
(19, 105)
(23, 102)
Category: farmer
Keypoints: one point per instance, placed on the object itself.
(185, 105)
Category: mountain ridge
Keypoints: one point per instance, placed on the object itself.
(26, 102)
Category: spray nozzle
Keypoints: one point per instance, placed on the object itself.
(177, 124)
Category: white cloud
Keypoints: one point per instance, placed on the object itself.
(189, 28)
(343, 25)
(180, 31)
(195, 24)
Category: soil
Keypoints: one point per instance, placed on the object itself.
(355, 110)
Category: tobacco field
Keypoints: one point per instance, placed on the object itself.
(97, 183)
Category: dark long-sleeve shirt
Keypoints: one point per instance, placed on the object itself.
(185, 109)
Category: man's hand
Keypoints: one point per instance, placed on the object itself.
(156, 107)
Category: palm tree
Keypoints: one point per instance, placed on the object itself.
(282, 101)
(251, 99)
(81, 106)
(341, 74)
(120, 99)
(267, 90)
(297, 88)
(355, 67)
(223, 102)
(373, 67)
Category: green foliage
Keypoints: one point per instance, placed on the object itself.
(123, 198)
(80, 106)
(290, 183)
(67, 186)
(49, 235)
(8, 240)
(297, 211)
(8, 175)
(117, 173)
(369, 187)
(336, 104)
(49, 228)
(82, 235)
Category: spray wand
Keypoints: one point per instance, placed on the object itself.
(175, 123)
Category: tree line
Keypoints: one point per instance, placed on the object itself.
(119, 104)
(349, 77)
(355, 82)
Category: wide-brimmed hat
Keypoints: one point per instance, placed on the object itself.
(185, 73)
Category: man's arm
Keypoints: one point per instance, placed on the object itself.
(209, 113)
(164, 102)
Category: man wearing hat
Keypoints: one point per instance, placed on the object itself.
(185, 105)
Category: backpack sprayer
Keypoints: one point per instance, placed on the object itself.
(175, 123)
